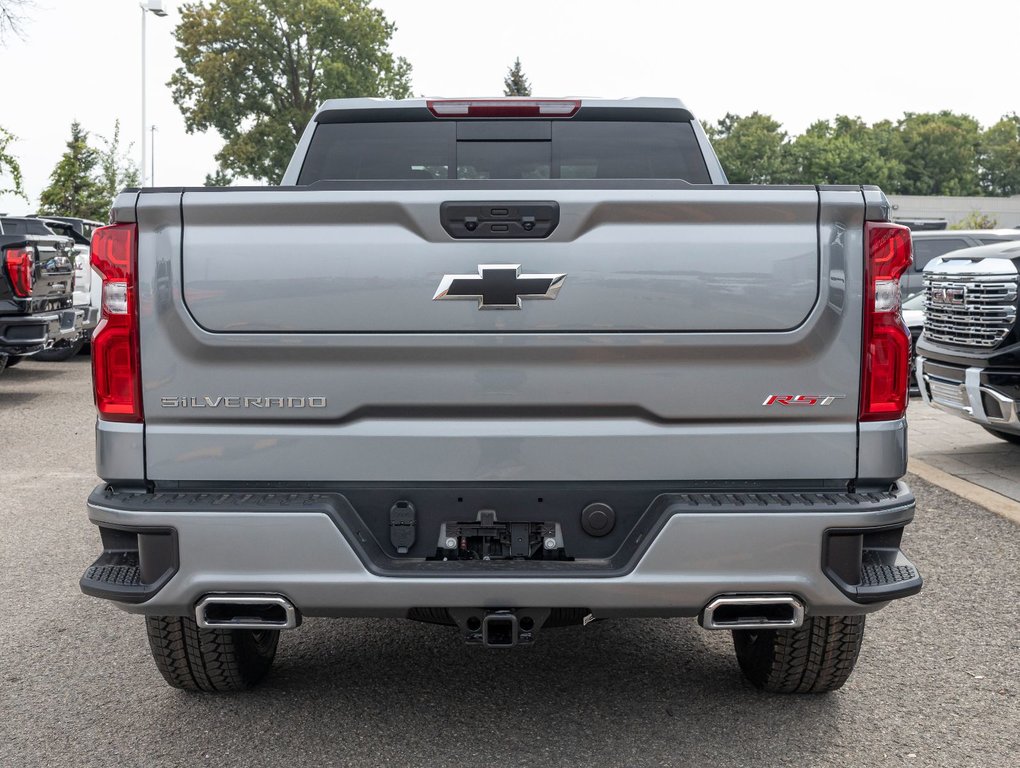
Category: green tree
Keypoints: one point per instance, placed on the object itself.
(1000, 157)
(117, 169)
(752, 149)
(888, 144)
(976, 220)
(75, 186)
(847, 151)
(255, 71)
(219, 178)
(940, 153)
(515, 83)
(9, 167)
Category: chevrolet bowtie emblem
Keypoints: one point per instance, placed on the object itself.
(499, 286)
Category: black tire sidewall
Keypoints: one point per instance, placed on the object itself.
(256, 649)
(755, 652)
(816, 657)
(218, 660)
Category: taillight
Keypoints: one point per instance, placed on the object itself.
(886, 338)
(512, 107)
(20, 263)
(116, 369)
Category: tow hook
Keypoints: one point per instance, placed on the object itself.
(500, 628)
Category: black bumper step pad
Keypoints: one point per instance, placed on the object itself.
(868, 566)
(115, 572)
(886, 573)
(875, 573)
(120, 575)
(134, 564)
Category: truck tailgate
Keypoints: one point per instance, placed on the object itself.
(315, 262)
(291, 334)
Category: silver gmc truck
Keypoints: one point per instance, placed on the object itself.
(504, 365)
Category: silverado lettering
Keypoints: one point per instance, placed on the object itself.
(237, 401)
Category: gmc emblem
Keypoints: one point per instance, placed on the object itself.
(949, 296)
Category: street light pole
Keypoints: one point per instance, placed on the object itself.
(152, 154)
(142, 166)
(156, 8)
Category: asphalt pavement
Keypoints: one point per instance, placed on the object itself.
(938, 681)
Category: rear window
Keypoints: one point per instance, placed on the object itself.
(556, 150)
(926, 249)
(66, 230)
(25, 227)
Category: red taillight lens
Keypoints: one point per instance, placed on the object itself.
(116, 368)
(20, 263)
(113, 251)
(503, 107)
(886, 358)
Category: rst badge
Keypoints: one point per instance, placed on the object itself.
(802, 400)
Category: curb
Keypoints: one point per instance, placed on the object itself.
(990, 500)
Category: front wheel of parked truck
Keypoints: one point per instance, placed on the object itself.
(212, 660)
(815, 658)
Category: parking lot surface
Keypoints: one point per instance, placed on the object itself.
(938, 682)
(963, 449)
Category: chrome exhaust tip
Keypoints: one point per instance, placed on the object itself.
(753, 612)
(246, 612)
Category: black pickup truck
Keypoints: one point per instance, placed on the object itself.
(36, 294)
(968, 357)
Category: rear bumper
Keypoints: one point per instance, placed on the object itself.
(837, 552)
(90, 317)
(28, 334)
(974, 393)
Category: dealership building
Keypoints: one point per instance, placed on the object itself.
(918, 208)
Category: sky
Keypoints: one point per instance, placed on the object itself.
(798, 60)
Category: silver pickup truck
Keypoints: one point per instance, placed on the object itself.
(504, 365)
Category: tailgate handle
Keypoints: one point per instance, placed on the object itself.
(499, 220)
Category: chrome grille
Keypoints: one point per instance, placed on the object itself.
(969, 310)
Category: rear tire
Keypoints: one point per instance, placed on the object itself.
(816, 658)
(1009, 437)
(211, 660)
(61, 354)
